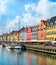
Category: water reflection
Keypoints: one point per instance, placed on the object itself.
(41, 60)
(46, 59)
(18, 57)
(29, 58)
(51, 61)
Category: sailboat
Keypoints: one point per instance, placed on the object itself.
(13, 46)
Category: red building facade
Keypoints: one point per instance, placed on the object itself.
(29, 33)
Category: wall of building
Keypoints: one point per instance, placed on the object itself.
(29, 33)
(25, 36)
(4, 37)
(42, 30)
(20, 35)
(51, 29)
(7, 37)
(34, 33)
(15, 36)
(11, 37)
(0, 37)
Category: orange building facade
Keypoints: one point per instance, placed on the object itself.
(42, 30)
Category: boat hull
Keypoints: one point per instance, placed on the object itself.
(15, 47)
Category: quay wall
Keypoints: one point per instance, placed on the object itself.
(47, 49)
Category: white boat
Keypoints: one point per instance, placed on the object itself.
(14, 47)
(17, 47)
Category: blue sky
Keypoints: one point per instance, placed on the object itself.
(27, 12)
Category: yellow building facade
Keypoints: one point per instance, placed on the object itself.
(51, 29)
(21, 35)
(16, 35)
(13, 36)
(4, 37)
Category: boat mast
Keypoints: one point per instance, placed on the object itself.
(18, 29)
(9, 36)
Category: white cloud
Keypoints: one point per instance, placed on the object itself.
(44, 9)
(30, 7)
(29, 20)
(11, 24)
(34, 13)
(27, 7)
(2, 6)
(1, 32)
(27, 17)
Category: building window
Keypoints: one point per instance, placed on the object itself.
(41, 35)
(55, 22)
(34, 29)
(51, 23)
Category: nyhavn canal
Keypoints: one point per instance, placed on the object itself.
(18, 57)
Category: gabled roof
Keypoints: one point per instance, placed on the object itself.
(53, 19)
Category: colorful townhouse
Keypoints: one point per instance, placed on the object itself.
(24, 38)
(46, 30)
(29, 34)
(35, 32)
(51, 29)
(42, 30)
(4, 37)
(15, 35)
(1, 38)
(21, 34)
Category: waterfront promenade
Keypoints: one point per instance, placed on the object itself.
(46, 47)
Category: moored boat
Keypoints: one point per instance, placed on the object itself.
(14, 47)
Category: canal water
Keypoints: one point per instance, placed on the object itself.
(18, 57)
